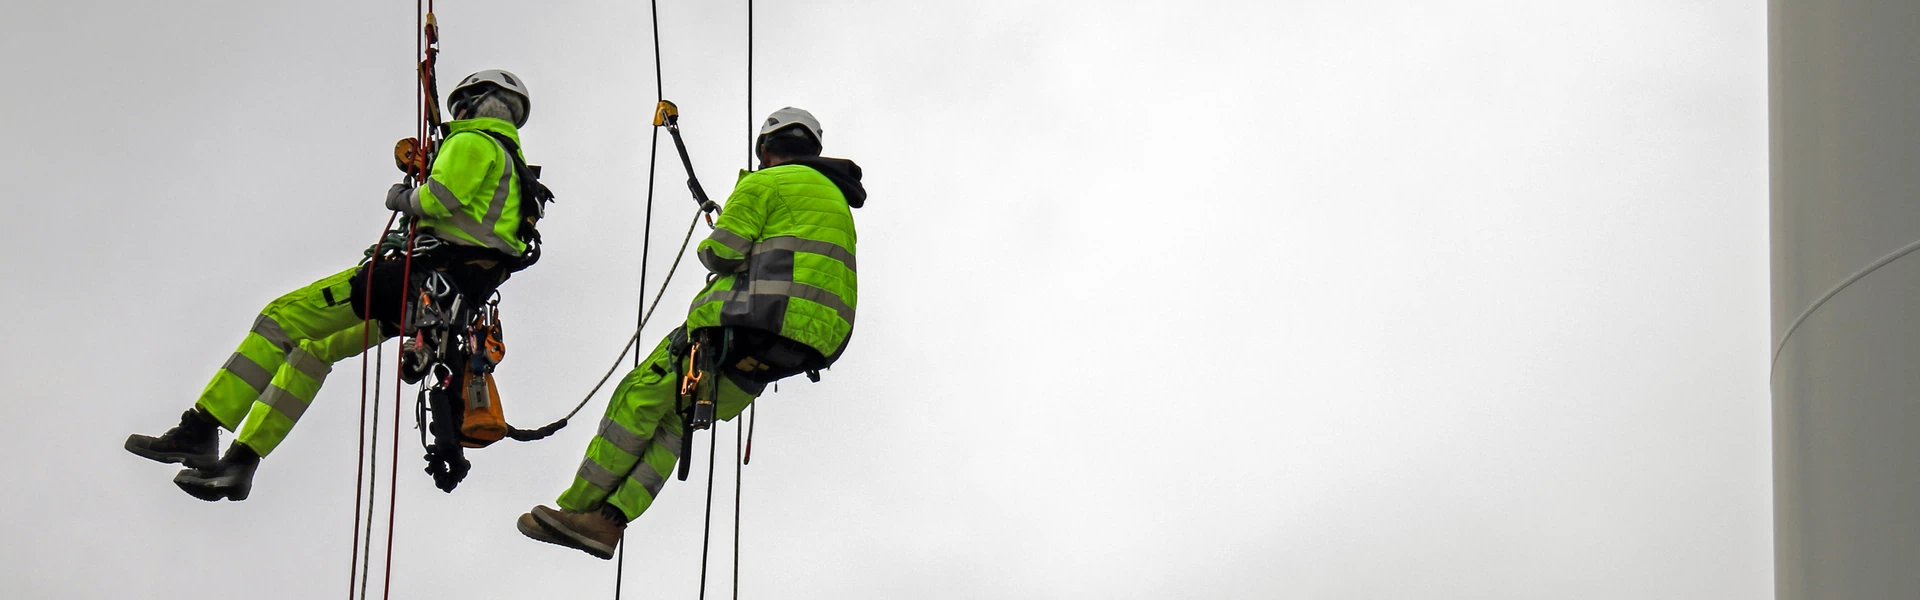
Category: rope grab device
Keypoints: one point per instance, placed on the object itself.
(667, 115)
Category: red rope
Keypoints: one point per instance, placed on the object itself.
(406, 277)
(393, 472)
(360, 446)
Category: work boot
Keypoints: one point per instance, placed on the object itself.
(231, 478)
(594, 531)
(195, 443)
(532, 528)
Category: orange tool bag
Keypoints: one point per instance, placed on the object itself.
(484, 421)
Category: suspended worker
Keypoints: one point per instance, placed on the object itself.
(271, 381)
(780, 302)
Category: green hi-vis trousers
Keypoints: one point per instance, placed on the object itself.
(642, 426)
(269, 382)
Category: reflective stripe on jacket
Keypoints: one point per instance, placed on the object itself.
(784, 252)
(473, 195)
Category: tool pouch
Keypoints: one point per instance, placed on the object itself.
(483, 422)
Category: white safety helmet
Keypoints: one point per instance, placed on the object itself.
(792, 117)
(498, 78)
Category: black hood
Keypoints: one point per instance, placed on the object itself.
(842, 173)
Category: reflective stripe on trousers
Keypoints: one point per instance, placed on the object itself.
(266, 385)
(622, 467)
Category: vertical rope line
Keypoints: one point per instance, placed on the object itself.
(420, 90)
(646, 247)
(739, 446)
(646, 238)
(713, 452)
(360, 446)
(752, 132)
(656, 46)
(393, 471)
(373, 475)
(359, 461)
(406, 275)
(363, 555)
(653, 163)
(739, 440)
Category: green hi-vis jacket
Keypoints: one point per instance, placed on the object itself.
(783, 249)
(473, 195)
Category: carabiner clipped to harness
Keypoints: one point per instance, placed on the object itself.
(701, 384)
(692, 386)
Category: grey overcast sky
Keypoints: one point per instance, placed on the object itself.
(1298, 299)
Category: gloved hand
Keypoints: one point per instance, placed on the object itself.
(397, 196)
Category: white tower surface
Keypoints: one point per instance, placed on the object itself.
(1845, 111)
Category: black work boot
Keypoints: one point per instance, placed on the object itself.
(231, 478)
(195, 443)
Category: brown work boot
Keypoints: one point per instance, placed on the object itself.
(592, 531)
(532, 528)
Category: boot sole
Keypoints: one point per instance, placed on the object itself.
(532, 528)
(194, 485)
(567, 537)
(193, 461)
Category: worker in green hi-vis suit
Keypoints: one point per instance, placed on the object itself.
(470, 203)
(782, 299)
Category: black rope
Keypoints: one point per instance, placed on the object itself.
(646, 243)
(646, 247)
(752, 132)
(656, 49)
(653, 155)
(713, 452)
(738, 452)
(739, 440)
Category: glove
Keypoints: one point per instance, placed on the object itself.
(397, 197)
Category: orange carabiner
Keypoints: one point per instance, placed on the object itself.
(691, 381)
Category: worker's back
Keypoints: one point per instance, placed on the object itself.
(800, 278)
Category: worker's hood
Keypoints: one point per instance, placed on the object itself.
(842, 173)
